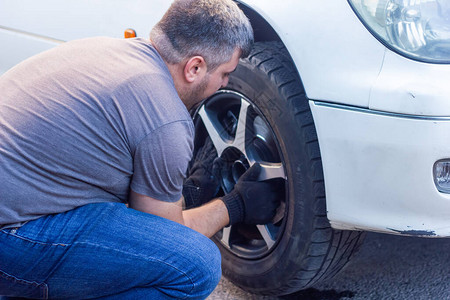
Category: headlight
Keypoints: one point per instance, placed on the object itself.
(419, 29)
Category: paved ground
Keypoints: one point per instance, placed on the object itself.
(387, 267)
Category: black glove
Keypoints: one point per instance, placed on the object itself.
(203, 182)
(252, 201)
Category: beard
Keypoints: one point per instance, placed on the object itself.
(196, 94)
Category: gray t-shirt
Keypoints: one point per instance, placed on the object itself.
(84, 123)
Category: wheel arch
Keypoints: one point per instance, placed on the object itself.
(264, 32)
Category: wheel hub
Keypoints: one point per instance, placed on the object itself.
(234, 166)
(237, 170)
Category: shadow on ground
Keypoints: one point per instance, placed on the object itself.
(315, 294)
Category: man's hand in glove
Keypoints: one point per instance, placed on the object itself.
(252, 201)
(203, 182)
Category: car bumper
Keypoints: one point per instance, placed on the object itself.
(378, 169)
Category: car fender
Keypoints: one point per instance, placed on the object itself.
(337, 58)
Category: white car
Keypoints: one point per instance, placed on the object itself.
(345, 103)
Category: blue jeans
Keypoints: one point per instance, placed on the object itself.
(107, 251)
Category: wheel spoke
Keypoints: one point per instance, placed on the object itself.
(266, 235)
(215, 136)
(239, 139)
(271, 171)
(226, 236)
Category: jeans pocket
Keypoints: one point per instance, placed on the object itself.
(11, 286)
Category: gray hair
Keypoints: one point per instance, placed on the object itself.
(213, 29)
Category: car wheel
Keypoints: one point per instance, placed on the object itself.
(263, 116)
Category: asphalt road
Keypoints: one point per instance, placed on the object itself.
(387, 267)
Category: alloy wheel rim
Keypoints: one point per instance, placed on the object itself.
(242, 136)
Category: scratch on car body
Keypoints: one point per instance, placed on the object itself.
(414, 232)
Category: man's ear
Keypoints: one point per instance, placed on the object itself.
(194, 68)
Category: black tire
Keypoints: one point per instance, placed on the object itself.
(305, 249)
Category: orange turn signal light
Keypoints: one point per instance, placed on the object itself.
(129, 33)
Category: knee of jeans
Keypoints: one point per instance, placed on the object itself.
(209, 270)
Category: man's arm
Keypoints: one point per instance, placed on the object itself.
(207, 219)
(250, 202)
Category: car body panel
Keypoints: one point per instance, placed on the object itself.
(378, 170)
(28, 27)
(410, 87)
(75, 19)
(333, 64)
